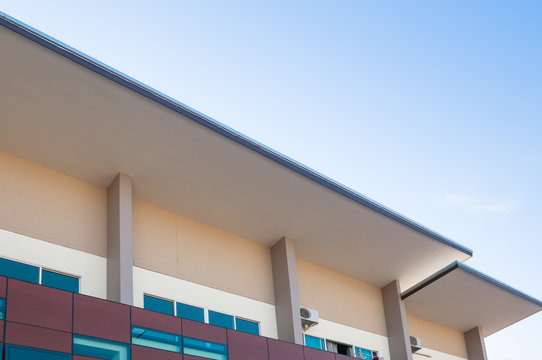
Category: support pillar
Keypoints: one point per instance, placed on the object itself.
(286, 291)
(396, 322)
(475, 344)
(119, 240)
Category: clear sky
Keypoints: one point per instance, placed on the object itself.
(433, 108)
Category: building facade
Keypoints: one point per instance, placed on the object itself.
(134, 227)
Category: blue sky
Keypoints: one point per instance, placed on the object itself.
(433, 108)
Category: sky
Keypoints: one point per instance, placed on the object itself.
(432, 108)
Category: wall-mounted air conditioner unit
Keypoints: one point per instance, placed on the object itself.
(309, 317)
(415, 344)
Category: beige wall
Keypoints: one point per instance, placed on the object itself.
(174, 245)
(437, 337)
(47, 205)
(340, 298)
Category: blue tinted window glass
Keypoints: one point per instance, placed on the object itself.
(250, 327)
(60, 281)
(17, 270)
(205, 349)
(190, 312)
(158, 305)
(99, 348)
(2, 308)
(219, 319)
(363, 353)
(15, 352)
(315, 342)
(156, 339)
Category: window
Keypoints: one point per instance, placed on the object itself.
(20, 271)
(247, 326)
(205, 349)
(364, 354)
(315, 342)
(156, 339)
(159, 305)
(190, 312)
(59, 281)
(16, 352)
(99, 348)
(2, 308)
(339, 348)
(220, 319)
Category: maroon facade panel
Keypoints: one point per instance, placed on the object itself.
(157, 321)
(38, 337)
(198, 330)
(2, 330)
(145, 353)
(192, 357)
(342, 357)
(242, 346)
(101, 318)
(282, 350)
(315, 354)
(3, 283)
(38, 305)
(79, 357)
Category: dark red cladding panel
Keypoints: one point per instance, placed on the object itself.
(198, 330)
(243, 346)
(154, 320)
(39, 305)
(101, 318)
(342, 357)
(282, 350)
(1, 330)
(79, 357)
(315, 354)
(145, 353)
(3, 282)
(38, 337)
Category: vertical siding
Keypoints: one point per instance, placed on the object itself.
(44, 204)
(177, 246)
(437, 337)
(341, 299)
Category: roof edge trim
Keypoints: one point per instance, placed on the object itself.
(459, 265)
(155, 95)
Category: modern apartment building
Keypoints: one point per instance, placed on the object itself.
(134, 227)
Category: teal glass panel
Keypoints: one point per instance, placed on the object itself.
(2, 308)
(190, 312)
(205, 349)
(219, 319)
(60, 281)
(247, 326)
(315, 342)
(99, 348)
(17, 270)
(364, 354)
(156, 339)
(16, 352)
(158, 305)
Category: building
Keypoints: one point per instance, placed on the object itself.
(115, 197)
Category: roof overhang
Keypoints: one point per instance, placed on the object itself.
(73, 114)
(461, 298)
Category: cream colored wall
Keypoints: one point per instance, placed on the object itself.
(44, 204)
(92, 269)
(174, 245)
(340, 298)
(436, 337)
(153, 283)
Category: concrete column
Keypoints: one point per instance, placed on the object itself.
(119, 240)
(286, 291)
(396, 322)
(475, 344)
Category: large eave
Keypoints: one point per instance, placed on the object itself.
(461, 298)
(69, 112)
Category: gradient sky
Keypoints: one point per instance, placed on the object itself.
(433, 108)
